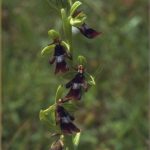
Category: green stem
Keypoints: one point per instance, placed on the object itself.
(67, 28)
(68, 142)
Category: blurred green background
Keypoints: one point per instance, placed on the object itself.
(113, 115)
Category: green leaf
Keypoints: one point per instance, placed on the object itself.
(76, 140)
(59, 93)
(90, 79)
(48, 117)
(48, 49)
(82, 60)
(53, 34)
(66, 45)
(74, 7)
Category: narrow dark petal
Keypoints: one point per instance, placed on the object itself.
(76, 13)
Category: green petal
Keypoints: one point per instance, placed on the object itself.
(90, 79)
(66, 45)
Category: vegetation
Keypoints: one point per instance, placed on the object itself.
(114, 116)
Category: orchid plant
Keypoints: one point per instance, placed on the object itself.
(59, 116)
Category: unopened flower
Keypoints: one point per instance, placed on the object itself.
(77, 84)
(59, 57)
(65, 121)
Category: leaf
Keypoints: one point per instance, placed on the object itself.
(74, 7)
(90, 79)
(48, 49)
(76, 140)
(82, 60)
(53, 34)
(66, 45)
(59, 93)
(47, 116)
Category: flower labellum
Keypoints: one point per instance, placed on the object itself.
(65, 120)
(88, 32)
(76, 85)
(59, 57)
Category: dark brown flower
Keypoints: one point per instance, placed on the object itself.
(88, 32)
(76, 85)
(65, 120)
(59, 57)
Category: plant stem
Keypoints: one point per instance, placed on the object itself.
(68, 142)
(67, 28)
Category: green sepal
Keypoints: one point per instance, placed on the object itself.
(53, 34)
(48, 49)
(81, 60)
(47, 116)
(76, 140)
(59, 93)
(74, 7)
(66, 45)
(90, 79)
